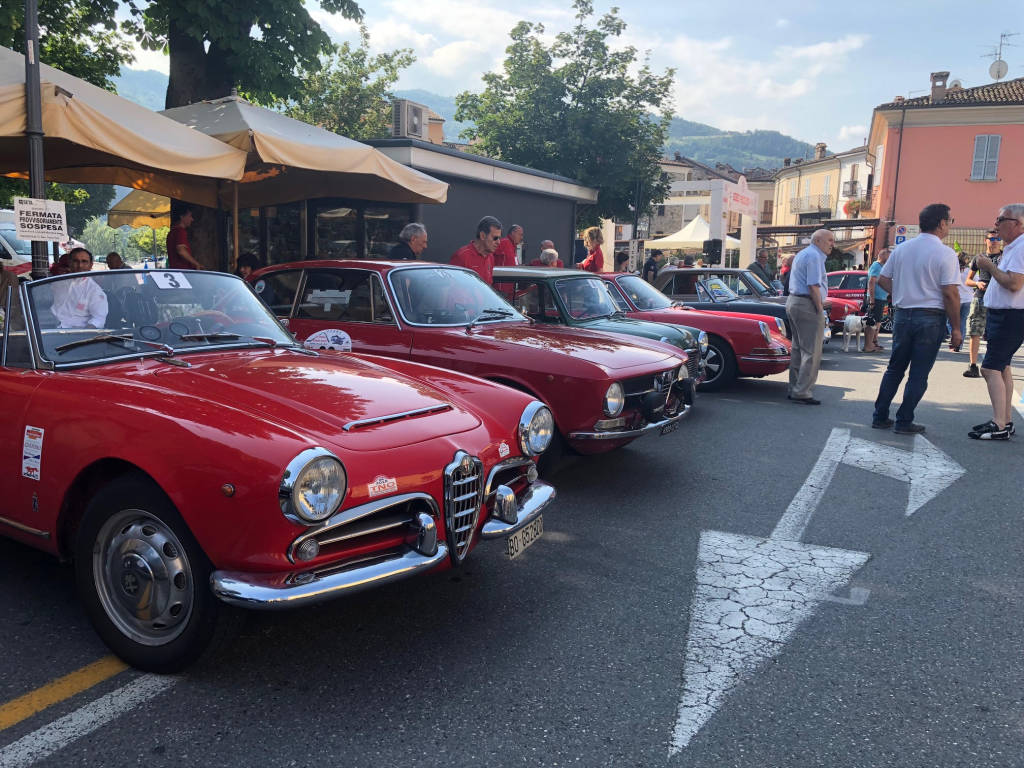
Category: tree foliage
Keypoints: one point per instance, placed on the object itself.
(579, 108)
(259, 46)
(133, 245)
(351, 92)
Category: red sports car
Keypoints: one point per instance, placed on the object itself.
(849, 284)
(603, 390)
(166, 434)
(738, 344)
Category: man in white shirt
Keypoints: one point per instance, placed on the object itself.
(79, 302)
(922, 275)
(1004, 324)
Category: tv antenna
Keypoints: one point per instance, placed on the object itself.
(998, 68)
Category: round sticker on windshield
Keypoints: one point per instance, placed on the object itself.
(331, 338)
(259, 286)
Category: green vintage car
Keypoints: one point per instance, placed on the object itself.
(581, 299)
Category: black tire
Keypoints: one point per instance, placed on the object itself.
(144, 580)
(720, 365)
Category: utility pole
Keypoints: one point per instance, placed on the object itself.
(34, 128)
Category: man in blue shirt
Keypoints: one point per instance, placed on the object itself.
(808, 287)
(877, 296)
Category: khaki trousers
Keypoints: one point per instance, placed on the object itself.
(808, 328)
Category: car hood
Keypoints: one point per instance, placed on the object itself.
(609, 352)
(321, 396)
(645, 329)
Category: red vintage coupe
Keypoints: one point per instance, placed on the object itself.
(164, 432)
(604, 390)
(738, 344)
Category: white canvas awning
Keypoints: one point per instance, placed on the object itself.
(692, 235)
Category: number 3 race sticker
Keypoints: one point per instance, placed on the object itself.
(170, 280)
(32, 453)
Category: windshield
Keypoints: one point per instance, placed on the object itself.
(585, 298)
(448, 296)
(86, 318)
(20, 247)
(643, 294)
(718, 290)
(760, 286)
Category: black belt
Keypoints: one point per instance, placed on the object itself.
(801, 295)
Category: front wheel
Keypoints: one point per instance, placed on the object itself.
(719, 365)
(144, 579)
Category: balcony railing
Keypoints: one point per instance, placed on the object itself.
(810, 203)
(851, 188)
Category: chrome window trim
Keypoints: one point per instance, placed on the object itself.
(351, 515)
(397, 416)
(374, 274)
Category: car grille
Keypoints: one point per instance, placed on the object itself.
(644, 385)
(463, 496)
(693, 365)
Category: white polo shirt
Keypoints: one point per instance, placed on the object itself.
(919, 268)
(1012, 260)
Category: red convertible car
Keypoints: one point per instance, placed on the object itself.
(166, 434)
(603, 390)
(738, 344)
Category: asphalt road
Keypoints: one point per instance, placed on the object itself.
(574, 653)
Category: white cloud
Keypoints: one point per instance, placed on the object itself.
(150, 59)
(855, 133)
(781, 23)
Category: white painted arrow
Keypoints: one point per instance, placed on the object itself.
(752, 593)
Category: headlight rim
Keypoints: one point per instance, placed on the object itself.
(611, 414)
(703, 343)
(765, 332)
(290, 481)
(526, 422)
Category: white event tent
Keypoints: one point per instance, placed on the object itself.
(692, 235)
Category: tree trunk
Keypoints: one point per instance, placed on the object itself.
(187, 67)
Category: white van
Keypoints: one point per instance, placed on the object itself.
(15, 254)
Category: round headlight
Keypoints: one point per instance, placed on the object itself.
(766, 332)
(313, 486)
(702, 342)
(536, 429)
(614, 400)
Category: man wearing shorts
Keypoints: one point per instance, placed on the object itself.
(877, 296)
(978, 279)
(1004, 329)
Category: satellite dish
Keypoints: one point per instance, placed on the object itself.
(956, 84)
(998, 69)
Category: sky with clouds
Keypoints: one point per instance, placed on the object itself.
(812, 70)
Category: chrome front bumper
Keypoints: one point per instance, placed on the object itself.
(538, 496)
(632, 433)
(274, 591)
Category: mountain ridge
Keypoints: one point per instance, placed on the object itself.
(699, 141)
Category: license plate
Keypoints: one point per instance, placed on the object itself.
(517, 543)
(668, 428)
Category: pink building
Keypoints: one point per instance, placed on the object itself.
(959, 146)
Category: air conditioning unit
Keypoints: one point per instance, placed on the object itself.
(408, 119)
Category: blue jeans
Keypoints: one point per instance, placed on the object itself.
(916, 337)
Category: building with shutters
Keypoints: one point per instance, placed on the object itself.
(959, 146)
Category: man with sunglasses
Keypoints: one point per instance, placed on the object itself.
(478, 255)
(1004, 328)
(978, 279)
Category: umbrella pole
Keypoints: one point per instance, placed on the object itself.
(34, 128)
(234, 224)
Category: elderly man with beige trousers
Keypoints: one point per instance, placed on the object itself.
(808, 287)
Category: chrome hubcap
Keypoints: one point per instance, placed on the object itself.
(713, 364)
(142, 577)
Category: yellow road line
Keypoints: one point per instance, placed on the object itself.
(58, 690)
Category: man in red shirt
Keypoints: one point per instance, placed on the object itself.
(179, 252)
(478, 255)
(505, 256)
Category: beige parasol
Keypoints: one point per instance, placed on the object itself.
(290, 160)
(94, 136)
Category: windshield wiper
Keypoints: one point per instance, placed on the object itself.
(123, 340)
(220, 336)
(488, 314)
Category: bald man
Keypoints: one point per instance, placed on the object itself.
(808, 287)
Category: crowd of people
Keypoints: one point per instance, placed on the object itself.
(936, 295)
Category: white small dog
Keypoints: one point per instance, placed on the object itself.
(853, 326)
